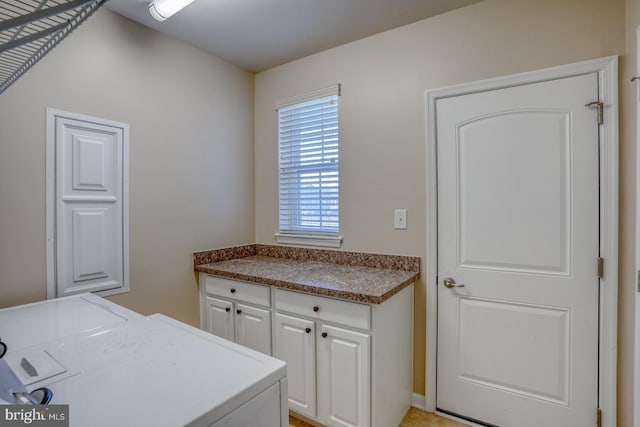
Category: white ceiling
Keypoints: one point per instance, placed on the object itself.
(260, 34)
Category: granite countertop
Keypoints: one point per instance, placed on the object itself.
(360, 277)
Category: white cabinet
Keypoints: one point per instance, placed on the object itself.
(219, 318)
(348, 363)
(336, 375)
(327, 366)
(253, 327)
(343, 358)
(295, 344)
(237, 311)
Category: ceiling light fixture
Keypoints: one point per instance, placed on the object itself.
(163, 9)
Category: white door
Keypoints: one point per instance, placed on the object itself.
(343, 377)
(253, 328)
(220, 318)
(518, 204)
(86, 205)
(295, 344)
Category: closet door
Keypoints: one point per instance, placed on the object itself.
(87, 217)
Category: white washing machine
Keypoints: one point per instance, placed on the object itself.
(114, 367)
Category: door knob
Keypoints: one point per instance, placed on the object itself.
(451, 283)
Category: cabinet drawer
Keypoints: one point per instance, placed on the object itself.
(238, 291)
(330, 310)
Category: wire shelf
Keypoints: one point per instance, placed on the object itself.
(31, 28)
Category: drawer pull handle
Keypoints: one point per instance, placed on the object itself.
(324, 335)
(228, 309)
(233, 290)
(316, 308)
(239, 311)
(308, 330)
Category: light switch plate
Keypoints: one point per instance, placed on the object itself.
(400, 219)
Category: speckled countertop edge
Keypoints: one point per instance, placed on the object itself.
(216, 255)
(353, 276)
(363, 259)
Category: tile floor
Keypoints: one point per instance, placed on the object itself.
(414, 418)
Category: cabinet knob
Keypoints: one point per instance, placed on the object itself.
(316, 308)
(228, 309)
(308, 330)
(324, 335)
(233, 290)
(239, 311)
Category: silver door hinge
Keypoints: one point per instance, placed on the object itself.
(599, 417)
(638, 284)
(600, 107)
(600, 268)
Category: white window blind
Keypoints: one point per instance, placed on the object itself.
(308, 183)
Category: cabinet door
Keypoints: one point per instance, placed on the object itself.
(220, 318)
(295, 344)
(253, 328)
(343, 377)
(87, 209)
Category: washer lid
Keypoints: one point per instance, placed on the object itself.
(158, 371)
(48, 320)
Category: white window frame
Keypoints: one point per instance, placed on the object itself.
(304, 236)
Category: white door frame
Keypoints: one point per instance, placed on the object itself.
(636, 357)
(607, 69)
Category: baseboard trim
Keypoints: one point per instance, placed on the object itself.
(418, 401)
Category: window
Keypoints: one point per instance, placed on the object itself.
(308, 140)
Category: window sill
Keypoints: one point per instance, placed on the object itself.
(309, 240)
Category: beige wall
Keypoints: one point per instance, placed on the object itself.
(384, 77)
(192, 158)
(191, 121)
